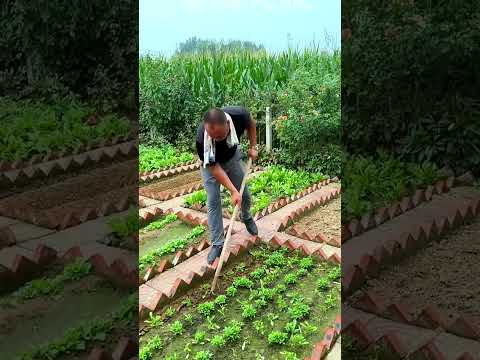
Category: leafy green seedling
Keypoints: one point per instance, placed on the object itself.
(298, 310)
(290, 279)
(306, 263)
(176, 328)
(218, 341)
(232, 331)
(188, 318)
(297, 340)
(323, 284)
(153, 345)
(220, 300)
(248, 311)
(199, 337)
(277, 338)
(259, 327)
(206, 308)
(169, 312)
(258, 273)
(203, 355)
(154, 320)
(243, 282)
(231, 291)
(292, 327)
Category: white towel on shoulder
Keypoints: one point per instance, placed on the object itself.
(209, 143)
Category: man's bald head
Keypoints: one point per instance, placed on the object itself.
(216, 124)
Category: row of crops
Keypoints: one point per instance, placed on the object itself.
(65, 125)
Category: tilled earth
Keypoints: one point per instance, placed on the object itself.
(445, 274)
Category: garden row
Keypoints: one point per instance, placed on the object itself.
(260, 311)
(408, 279)
(37, 130)
(93, 304)
(270, 190)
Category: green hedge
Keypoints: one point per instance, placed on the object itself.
(410, 80)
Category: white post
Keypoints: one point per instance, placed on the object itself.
(268, 130)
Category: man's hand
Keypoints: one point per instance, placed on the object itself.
(236, 198)
(253, 153)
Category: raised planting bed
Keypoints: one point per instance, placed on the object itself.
(78, 199)
(170, 187)
(369, 185)
(320, 223)
(439, 276)
(124, 231)
(65, 315)
(35, 129)
(164, 242)
(154, 159)
(45, 170)
(275, 304)
(270, 190)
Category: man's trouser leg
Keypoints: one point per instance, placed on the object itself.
(236, 171)
(214, 204)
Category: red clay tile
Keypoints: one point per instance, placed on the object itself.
(462, 327)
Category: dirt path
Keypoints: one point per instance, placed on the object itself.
(445, 274)
(325, 219)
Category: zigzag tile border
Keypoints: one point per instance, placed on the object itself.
(430, 318)
(171, 194)
(406, 341)
(179, 257)
(276, 241)
(371, 220)
(289, 220)
(169, 171)
(117, 271)
(323, 347)
(153, 298)
(24, 268)
(167, 195)
(278, 204)
(126, 349)
(69, 218)
(67, 163)
(408, 243)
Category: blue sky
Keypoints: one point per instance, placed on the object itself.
(166, 23)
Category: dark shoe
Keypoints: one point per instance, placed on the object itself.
(251, 226)
(215, 252)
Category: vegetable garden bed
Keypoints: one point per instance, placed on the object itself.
(439, 275)
(169, 187)
(413, 274)
(38, 129)
(273, 187)
(87, 309)
(164, 238)
(77, 199)
(260, 311)
(154, 159)
(321, 223)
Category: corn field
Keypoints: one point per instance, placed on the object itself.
(174, 92)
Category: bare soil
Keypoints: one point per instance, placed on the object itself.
(99, 181)
(445, 274)
(171, 184)
(325, 220)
